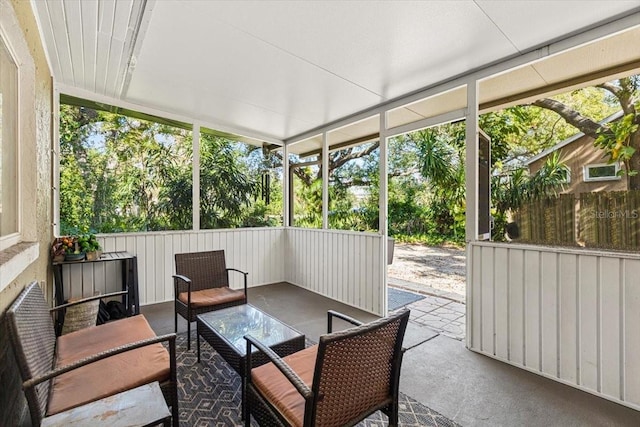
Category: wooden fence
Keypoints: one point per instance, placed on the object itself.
(548, 221)
(608, 220)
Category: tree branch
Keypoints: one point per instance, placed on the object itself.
(338, 161)
(610, 87)
(574, 118)
(299, 172)
(623, 92)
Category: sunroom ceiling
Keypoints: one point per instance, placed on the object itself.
(274, 70)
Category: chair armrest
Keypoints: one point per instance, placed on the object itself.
(32, 382)
(176, 282)
(331, 314)
(245, 278)
(84, 300)
(291, 376)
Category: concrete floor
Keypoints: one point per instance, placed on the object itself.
(440, 372)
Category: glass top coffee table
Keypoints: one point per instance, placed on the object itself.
(225, 329)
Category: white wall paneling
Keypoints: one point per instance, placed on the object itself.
(337, 264)
(572, 315)
(255, 250)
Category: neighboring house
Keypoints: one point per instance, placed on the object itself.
(588, 167)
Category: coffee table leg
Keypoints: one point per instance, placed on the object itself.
(198, 338)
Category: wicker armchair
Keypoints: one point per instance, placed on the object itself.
(61, 373)
(339, 382)
(201, 284)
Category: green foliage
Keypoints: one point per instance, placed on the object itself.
(120, 174)
(509, 192)
(124, 174)
(307, 203)
(225, 185)
(615, 139)
(88, 243)
(442, 165)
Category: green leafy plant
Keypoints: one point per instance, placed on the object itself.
(88, 243)
(615, 139)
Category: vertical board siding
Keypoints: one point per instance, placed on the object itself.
(487, 303)
(571, 315)
(516, 306)
(568, 318)
(631, 323)
(501, 290)
(549, 326)
(589, 334)
(611, 326)
(532, 309)
(337, 264)
(476, 290)
(258, 251)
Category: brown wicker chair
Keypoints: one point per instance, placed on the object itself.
(38, 353)
(201, 284)
(339, 382)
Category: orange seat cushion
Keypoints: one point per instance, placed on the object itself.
(275, 387)
(212, 296)
(111, 375)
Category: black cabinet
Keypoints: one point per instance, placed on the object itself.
(129, 279)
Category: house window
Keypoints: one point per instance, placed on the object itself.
(601, 172)
(566, 175)
(9, 206)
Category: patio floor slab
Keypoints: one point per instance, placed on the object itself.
(475, 390)
(439, 372)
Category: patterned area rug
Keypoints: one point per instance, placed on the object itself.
(397, 298)
(210, 395)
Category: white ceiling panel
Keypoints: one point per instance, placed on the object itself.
(281, 68)
(566, 70)
(60, 40)
(238, 70)
(610, 52)
(306, 145)
(89, 19)
(387, 48)
(531, 23)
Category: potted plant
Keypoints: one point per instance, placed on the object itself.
(72, 248)
(89, 244)
(58, 250)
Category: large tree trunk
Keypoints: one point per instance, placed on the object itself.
(574, 118)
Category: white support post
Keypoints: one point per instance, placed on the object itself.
(383, 199)
(471, 225)
(325, 181)
(285, 186)
(196, 177)
(55, 159)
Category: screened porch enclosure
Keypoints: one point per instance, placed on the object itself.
(536, 313)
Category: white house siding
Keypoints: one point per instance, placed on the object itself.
(341, 265)
(570, 315)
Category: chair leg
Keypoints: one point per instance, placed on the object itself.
(393, 415)
(175, 320)
(245, 413)
(175, 416)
